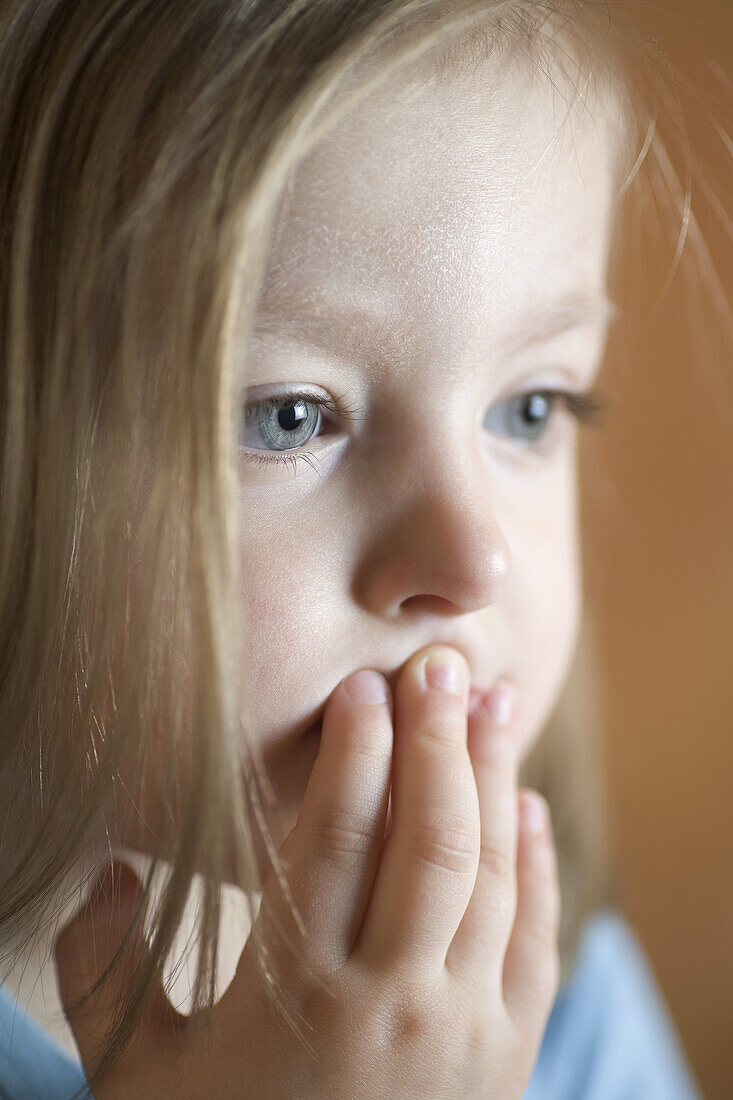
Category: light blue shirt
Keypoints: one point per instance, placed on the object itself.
(609, 1035)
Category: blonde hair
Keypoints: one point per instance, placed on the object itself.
(146, 149)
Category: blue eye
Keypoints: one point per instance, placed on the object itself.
(527, 415)
(284, 423)
(287, 422)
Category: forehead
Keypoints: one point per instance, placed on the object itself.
(460, 205)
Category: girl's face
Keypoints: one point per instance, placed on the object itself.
(441, 259)
(443, 255)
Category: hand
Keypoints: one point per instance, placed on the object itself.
(430, 963)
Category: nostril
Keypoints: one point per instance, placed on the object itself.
(426, 602)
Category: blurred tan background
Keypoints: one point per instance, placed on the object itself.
(658, 507)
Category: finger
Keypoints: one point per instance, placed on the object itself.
(331, 855)
(532, 965)
(90, 950)
(476, 955)
(428, 866)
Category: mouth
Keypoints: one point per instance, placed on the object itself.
(474, 696)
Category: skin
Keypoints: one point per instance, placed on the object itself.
(467, 216)
(463, 217)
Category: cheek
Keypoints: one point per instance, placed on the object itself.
(286, 626)
(544, 608)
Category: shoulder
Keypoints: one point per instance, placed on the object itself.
(32, 1064)
(610, 1035)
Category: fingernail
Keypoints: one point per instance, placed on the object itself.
(366, 686)
(444, 672)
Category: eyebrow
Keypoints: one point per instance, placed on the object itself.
(297, 316)
(561, 316)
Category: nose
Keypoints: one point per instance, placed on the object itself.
(442, 548)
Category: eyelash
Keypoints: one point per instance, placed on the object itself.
(588, 407)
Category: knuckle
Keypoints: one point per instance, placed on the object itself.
(412, 1017)
(451, 846)
(371, 740)
(343, 835)
(497, 858)
(499, 752)
(443, 734)
(500, 907)
(408, 1025)
(541, 926)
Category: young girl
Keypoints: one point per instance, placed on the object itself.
(300, 304)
